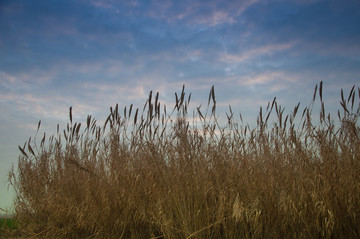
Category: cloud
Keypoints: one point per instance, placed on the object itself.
(164, 44)
(255, 52)
(220, 13)
(102, 4)
(31, 105)
(213, 18)
(266, 78)
(195, 13)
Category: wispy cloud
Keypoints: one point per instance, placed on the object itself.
(206, 13)
(255, 52)
(102, 4)
(221, 13)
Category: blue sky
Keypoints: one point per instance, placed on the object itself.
(92, 54)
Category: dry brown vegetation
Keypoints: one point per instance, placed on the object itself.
(154, 174)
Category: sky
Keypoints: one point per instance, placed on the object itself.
(92, 54)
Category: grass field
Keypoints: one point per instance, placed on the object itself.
(7, 223)
(8, 226)
(155, 173)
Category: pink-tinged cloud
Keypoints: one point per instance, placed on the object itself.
(7, 78)
(102, 4)
(115, 92)
(226, 14)
(214, 18)
(187, 55)
(207, 14)
(267, 77)
(107, 68)
(23, 79)
(48, 107)
(159, 9)
(255, 52)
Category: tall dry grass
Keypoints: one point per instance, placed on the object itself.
(156, 174)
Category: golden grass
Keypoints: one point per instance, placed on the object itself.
(154, 174)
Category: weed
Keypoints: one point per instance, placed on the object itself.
(155, 174)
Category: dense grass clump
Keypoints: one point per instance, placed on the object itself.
(155, 174)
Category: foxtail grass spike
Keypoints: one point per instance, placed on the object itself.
(156, 98)
(70, 114)
(320, 90)
(130, 109)
(42, 141)
(136, 115)
(177, 101)
(213, 94)
(351, 92)
(342, 96)
(296, 110)
(88, 121)
(39, 125)
(150, 96)
(315, 91)
(116, 111)
(23, 152)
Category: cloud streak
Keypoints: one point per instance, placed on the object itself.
(255, 53)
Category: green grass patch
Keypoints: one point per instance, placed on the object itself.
(7, 223)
